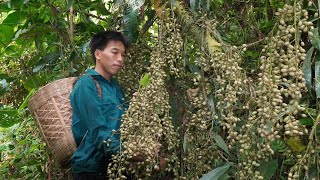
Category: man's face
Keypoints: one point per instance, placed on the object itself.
(110, 60)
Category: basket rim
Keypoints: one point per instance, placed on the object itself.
(34, 97)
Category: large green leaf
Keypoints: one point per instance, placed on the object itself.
(317, 75)
(268, 168)
(221, 143)
(131, 24)
(307, 70)
(216, 173)
(6, 34)
(13, 19)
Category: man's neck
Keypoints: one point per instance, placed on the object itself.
(101, 72)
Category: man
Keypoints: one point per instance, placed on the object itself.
(96, 116)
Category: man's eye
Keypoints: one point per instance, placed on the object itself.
(114, 52)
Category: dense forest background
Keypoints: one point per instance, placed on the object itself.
(230, 87)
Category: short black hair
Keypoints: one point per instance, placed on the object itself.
(101, 40)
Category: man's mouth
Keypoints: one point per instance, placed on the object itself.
(118, 65)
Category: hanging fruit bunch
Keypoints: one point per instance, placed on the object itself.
(134, 67)
(280, 88)
(147, 126)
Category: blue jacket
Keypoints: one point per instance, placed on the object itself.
(95, 122)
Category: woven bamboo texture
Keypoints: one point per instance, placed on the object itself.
(52, 111)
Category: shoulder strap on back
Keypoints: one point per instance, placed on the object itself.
(95, 81)
(97, 85)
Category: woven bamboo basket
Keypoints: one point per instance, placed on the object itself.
(52, 111)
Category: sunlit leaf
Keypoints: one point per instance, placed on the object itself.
(213, 45)
(216, 173)
(307, 70)
(6, 34)
(145, 80)
(13, 19)
(295, 145)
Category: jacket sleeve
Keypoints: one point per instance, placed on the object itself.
(99, 131)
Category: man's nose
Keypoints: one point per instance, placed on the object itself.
(120, 58)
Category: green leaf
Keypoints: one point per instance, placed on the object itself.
(295, 144)
(131, 24)
(16, 4)
(25, 102)
(216, 173)
(4, 76)
(38, 67)
(34, 82)
(145, 80)
(221, 143)
(8, 117)
(13, 19)
(317, 75)
(268, 168)
(315, 41)
(306, 121)
(6, 34)
(307, 70)
(313, 171)
(5, 7)
(70, 3)
(49, 58)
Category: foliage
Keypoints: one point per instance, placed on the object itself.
(22, 152)
(233, 85)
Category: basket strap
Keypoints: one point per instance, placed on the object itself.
(97, 85)
(95, 81)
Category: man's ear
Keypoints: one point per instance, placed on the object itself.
(97, 54)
